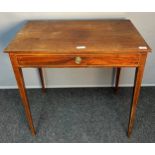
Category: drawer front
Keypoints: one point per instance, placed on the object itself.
(91, 60)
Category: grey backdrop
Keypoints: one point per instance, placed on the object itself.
(10, 23)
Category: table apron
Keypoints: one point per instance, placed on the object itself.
(77, 60)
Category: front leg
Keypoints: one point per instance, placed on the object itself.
(137, 86)
(20, 82)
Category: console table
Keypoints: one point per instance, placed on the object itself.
(78, 44)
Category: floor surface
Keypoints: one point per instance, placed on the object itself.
(93, 115)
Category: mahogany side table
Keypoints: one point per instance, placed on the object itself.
(78, 44)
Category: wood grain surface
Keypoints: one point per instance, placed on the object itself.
(69, 60)
(97, 36)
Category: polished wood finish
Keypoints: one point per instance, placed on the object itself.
(69, 60)
(118, 70)
(98, 36)
(78, 44)
(40, 70)
(137, 86)
(20, 81)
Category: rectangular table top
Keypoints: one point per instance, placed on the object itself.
(83, 36)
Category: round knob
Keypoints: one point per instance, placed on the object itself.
(78, 60)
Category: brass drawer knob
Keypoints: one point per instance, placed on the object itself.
(78, 60)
